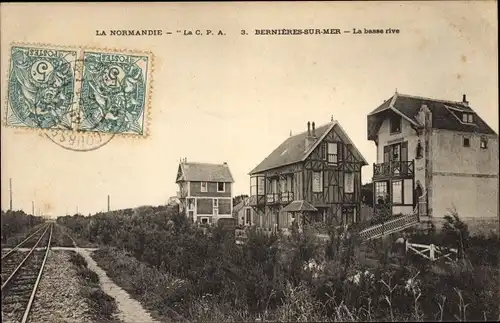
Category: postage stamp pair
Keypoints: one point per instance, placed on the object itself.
(79, 90)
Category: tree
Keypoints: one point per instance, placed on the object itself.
(237, 199)
(367, 194)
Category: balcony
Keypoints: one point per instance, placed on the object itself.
(272, 198)
(286, 197)
(394, 169)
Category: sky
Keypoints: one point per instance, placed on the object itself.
(235, 98)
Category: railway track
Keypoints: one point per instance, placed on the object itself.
(21, 273)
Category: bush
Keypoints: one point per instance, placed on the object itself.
(16, 222)
(181, 271)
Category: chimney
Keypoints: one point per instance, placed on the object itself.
(310, 136)
(464, 100)
(314, 131)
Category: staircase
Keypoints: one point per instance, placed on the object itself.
(398, 224)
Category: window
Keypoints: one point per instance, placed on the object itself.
(257, 185)
(466, 142)
(397, 192)
(419, 150)
(248, 216)
(483, 143)
(349, 182)
(396, 152)
(204, 220)
(274, 186)
(216, 203)
(203, 186)
(324, 151)
(467, 118)
(216, 211)
(191, 204)
(380, 192)
(395, 123)
(283, 185)
(332, 152)
(221, 187)
(317, 182)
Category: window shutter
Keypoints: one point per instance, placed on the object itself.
(348, 182)
(404, 151)
(387, 150)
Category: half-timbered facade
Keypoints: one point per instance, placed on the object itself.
(439, 152)
(321, 166)
(205, 191)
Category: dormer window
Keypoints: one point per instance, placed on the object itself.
(467, 118)
(395, 123)
(203, 186)
(221, 187)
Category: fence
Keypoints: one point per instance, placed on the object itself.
(388, 227)
(432, 250)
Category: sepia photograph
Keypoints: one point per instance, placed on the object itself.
(301, 161)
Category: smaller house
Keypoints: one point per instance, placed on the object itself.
(245, 214)
(205, 191)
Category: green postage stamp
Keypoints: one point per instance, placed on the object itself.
(79, 89)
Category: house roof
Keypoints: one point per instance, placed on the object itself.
(204, 172)
(443, 116)
(299, 206)
(240, 205)
(292, 150)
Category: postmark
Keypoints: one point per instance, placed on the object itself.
(79, 98)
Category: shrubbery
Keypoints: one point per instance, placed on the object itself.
(178, 270)
(15, 222)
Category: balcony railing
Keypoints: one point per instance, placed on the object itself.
(286, 197)
(394, 169)
(272, 198)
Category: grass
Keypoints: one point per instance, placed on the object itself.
(102, 305)
(155, 289)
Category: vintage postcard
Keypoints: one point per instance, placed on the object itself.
(250, 161)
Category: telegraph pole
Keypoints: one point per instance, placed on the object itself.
(108, 204)
(33, 208)
(10, 188)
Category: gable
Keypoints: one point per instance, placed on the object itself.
(180, 174)
(337, 134)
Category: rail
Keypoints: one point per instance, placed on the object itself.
(16, 294)
(8, 280)
(33, 293)
(391, 226)
(433, 250)
(20, 244)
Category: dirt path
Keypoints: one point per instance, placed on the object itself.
(129, 310)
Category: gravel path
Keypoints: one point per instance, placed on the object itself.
(58, 299)
(129, 310)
